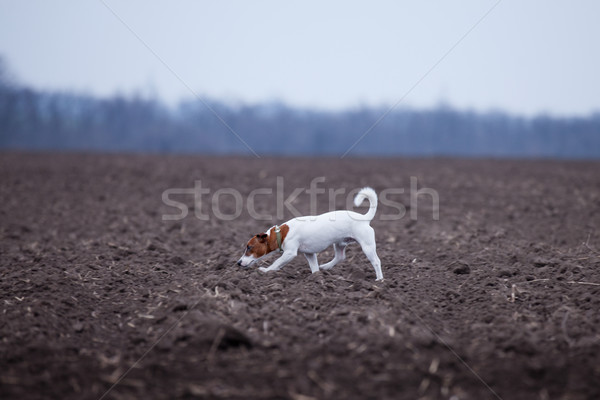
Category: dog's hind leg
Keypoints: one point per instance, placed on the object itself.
(367, 243)
(312, 262)
(340, 255)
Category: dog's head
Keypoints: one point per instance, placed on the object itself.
(256, 248)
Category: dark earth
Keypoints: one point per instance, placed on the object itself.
(100, 298)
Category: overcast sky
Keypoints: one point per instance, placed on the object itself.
(525, 57)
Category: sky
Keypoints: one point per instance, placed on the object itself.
(523, 57)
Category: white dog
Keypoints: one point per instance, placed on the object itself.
(311, 235)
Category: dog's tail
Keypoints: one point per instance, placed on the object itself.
(372, 196)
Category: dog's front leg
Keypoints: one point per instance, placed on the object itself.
(285, 258)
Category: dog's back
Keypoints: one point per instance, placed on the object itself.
(315, 233)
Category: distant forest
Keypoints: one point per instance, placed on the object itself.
(38, 120)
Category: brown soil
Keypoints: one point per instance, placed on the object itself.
(102, 299)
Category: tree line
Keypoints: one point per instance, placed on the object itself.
(41, 120)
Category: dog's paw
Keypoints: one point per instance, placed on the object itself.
(263, 269)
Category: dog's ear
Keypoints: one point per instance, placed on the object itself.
(261, 236)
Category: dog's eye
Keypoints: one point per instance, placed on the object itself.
(248, 248)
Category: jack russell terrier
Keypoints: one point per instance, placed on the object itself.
(313, 234)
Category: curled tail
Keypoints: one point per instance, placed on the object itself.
(372, 196)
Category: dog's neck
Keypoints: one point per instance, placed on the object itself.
(272, 244)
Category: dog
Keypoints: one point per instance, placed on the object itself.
(313, 234)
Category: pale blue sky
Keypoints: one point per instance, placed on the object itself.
(525, 57)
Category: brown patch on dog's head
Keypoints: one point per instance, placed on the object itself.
(260, 245)
(257, 246)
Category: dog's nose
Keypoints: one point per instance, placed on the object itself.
(239, 263)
